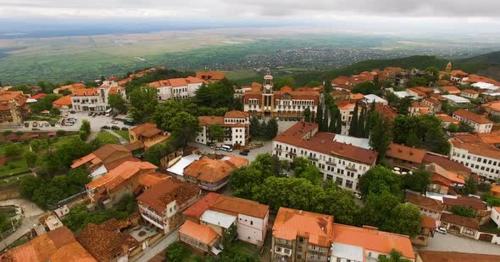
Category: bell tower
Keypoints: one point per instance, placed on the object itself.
(267, 95)
(449, 66)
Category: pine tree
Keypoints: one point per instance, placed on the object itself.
(353, 128)
(307, 115)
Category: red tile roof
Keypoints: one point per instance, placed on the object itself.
(305, 135)
(402, 152)
(166, 191)
(459, 220)
(373, 239)
(202, 233)
(62, 101)
(470, 202)
(292, 223)
(474, 146)
(121, 174)
(198, 208)
(424, 202)
(235, 205)
(210, 120)
(480, 119)
(211, 170)
(236, 114)
(85, 92)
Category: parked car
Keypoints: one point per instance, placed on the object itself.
(105, 127)
(244, 152)
(115, 127)
(442, 230)
(125, 128)
(227, 148)
(91, 113)
(72, 112)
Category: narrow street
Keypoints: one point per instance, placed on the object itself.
(31, 215)
(152, 251)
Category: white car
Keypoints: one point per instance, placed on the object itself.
(442, 230)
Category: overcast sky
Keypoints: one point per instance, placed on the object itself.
(485, 13)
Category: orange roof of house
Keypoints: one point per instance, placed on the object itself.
(202, 233)
(427, 222)
(447, 256)
(423, 201)
(120, 174)
(58, 245)
(458, 73)
(357, 96)
(175, 82)
(235, 205)
(211, 170)
(451, 89)
(448, 175)
(236, 114)
(447, 119)
(85, 92)
(197, 209)
(110, 155)
(495, 189)
(475, 146)
(373, 239)
(346, 105)
(472, 78)
(210, 120)
(480, 119)
(151, 179)
(460, 220)
(166, 191)
(16, 96)
(62, 101)
(291, 223)
(414, 155)
(146, 130)
(494, 106)
(470, 91)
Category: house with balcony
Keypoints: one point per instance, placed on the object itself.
(147, 134)
(95, 99)
(212, 174)
(162, 204)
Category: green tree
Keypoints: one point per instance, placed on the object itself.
(418, 181)
(117, 103)
(218, 94)
(340, 204)
(303, 168)
(381, 136)
(284, 81)
(177, 252)
(465, 127)
(44, 104)
(404, 105)
(379, 179)
(366, 88)
(85, 130)
(13, 150)
(255, 127)
(30, 158)
(155, 153)
(394, 256)
(216, 133)
(470, 186)
(353, 129)
(185, 127)
(403, 219)
(143, 103)
(307, 114)
(271, 129)
(378, 208)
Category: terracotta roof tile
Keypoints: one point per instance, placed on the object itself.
(402, 152)
(471, 202)
(210, 75)
(202, 233)
(480, 119)
(211, 170)
(198, 208)
(121, 174)
(235, 205)
(166, 191)
(236, 114)
(459, 220)
(424, 202)
(292, 223)
(373, 239)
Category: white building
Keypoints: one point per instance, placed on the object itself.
(480, 123)
(483, 159)
(177, 88)
(495, 215)
(456, 100)
(95, 99)
(236, 125)
(369, 99)
(339, 162)
(485, 86)
(346, 109)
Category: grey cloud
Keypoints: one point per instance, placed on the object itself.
(260, 8)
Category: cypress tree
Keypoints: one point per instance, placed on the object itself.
(353, 128)
(362, 123)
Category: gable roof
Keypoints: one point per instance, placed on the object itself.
(58, 245)
(471, 116)
(291, 223)
(161, 194)
(235, 205)
(465, 201)
(460, 220)
(424, 202)
(202, 233)
(203, 204)
(120, 174)
(211, 170)
(402, 152)
(146, 130)
(110, 155)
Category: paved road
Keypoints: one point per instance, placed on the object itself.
(451, 242)
(151, 252)
(31, 215)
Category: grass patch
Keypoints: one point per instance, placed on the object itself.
(490, 227)
(123, 134)
(14, 165)
(105, 137)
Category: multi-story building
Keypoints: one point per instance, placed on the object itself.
(340, 162)
(250, 217)
(482, 158)
(162, 204)
(13, 108)
(177, 88)
(236, 125)
(346, 109)
(428, 206)
(285, 103)
(104, 159)
(95, 99)
(480, 123)
(301, 236)
(305, 236)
